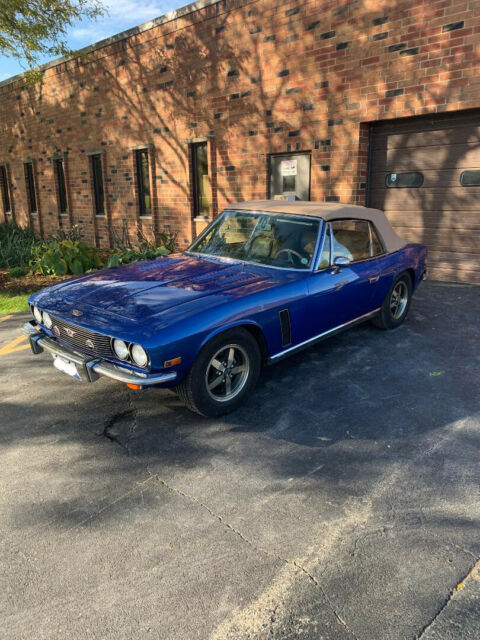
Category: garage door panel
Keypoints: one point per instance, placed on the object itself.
(460, 242)
(454, 273)
(460, 156)
(432, 178)
(429, 123)
(441, 213)
(426, 199)
(448, 136)
(447, 257)
(450, 220)
(443, 262)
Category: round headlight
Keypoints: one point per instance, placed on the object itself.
(47, 320)
(139, 355)
(38, 315)
(121, 349)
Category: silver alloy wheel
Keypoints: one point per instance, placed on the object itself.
(399, 300)
(227, 372)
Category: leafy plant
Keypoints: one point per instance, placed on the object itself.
(17, 272)
(16, 245)
(144, 248)
(74, 233)
(62, 257)
(133, 255)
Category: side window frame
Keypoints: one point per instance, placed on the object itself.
(327, 234)
(372, 231)
(31, 187)
(328, 228)
(98, 184)
(144, 181)
(7, 200)
(60, 174)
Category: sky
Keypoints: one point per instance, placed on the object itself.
(122, 15)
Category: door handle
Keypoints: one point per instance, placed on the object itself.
(341, 284)
(374, 279)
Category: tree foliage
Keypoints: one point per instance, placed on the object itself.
(30, 29)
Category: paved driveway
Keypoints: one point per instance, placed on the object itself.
(341, 502)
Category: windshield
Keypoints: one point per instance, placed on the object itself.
(264, 238)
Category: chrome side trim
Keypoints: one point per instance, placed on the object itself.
(325, 334)
(94, 367)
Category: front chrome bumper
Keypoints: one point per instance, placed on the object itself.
(90, 369)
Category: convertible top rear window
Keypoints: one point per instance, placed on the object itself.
(264, 238)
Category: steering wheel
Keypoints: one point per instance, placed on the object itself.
(290, 252)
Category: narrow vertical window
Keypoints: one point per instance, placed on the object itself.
(61, 186)
(143, 182)
(97, 177)
(201, 182)
(30, 185)
(7, 207)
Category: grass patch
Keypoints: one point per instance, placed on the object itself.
(13, 302)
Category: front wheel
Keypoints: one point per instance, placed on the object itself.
(223, 374)
(396, 305)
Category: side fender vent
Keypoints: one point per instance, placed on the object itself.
(285, 327)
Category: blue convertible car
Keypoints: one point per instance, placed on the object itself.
(264, 280)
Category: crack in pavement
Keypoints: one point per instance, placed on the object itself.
(131, 413)
(451, 595)
(107, 431)
(256, 548)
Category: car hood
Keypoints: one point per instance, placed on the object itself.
(145, 289)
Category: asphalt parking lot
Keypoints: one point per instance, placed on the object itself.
(342, 501)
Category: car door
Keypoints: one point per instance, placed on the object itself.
(339, 294)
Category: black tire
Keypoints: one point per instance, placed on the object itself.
(213, 399)
(389, 316)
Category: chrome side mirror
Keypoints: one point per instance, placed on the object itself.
(339, 262)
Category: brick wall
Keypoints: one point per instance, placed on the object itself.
(254, 78)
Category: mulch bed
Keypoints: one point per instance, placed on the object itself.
(27, 283)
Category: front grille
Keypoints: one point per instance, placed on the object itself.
(83, 339)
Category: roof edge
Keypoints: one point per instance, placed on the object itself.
(123, 35)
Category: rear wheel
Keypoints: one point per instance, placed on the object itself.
(396, 305)
(223, 374)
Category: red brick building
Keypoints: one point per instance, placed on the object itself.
(363, 101)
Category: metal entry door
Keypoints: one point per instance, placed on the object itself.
(289, 175)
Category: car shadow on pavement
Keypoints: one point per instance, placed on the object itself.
(350, 395)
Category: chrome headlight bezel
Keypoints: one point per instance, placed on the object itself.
(123, 355)
(37, 314)
(141, 359)
(47, 320)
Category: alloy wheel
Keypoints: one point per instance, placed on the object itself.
(227, 372)
(399, 300)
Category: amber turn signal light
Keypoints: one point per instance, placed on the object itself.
(172, 363)
(135, 387)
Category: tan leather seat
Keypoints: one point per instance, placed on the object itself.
(357, 244)
(263, 245)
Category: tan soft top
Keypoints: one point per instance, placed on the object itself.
(327, 211)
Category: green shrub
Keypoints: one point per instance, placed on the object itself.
(133, 255)
(126, 251)
(17, 272)
(62, 257)
(16, 245)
